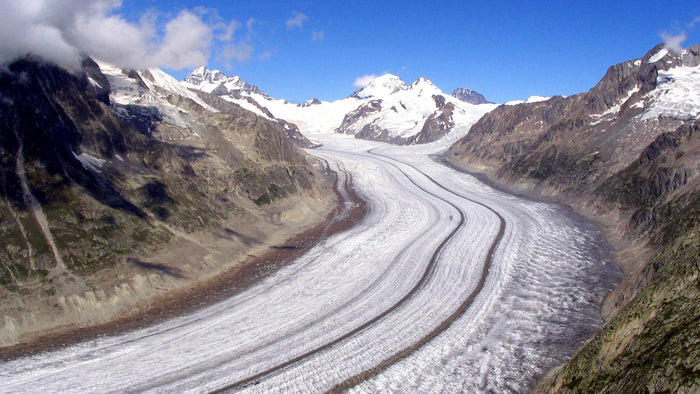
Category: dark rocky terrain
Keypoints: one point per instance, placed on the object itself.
(469, 96)
(637, 176)
(90, 188)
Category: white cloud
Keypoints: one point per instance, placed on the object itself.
(265, 55)
(62, 31)
(240, 52)
(318, 35)
(673, 42)
(296, 20)
(227, 30)
(186, 42)
(362, 81)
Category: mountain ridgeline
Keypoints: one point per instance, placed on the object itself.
(103, 167)
(625, 153)
(387, 109)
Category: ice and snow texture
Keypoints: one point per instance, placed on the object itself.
(541, 295)
(677, 94)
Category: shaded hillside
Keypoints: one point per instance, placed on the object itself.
(99, 170)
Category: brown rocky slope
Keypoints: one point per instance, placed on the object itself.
(637, 175)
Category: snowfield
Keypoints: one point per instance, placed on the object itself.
(446, 285)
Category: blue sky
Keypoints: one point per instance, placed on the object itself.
(504, 49)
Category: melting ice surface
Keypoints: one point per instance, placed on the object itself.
(364, 295)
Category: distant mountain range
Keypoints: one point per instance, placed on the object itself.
(387, 109)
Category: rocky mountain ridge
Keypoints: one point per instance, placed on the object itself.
(626, 154)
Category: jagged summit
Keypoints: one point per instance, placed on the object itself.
(469, 96)
(215, 80)
(203, 74)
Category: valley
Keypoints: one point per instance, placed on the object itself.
(368, 244)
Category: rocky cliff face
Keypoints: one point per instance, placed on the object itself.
(624, 153)
(101, 168)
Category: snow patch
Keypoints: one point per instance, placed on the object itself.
(245, 104)
(94, 83)
(537, 99)
(382, 86)
(658, 55)
(170, 84)
(677, 94)
(90, 162)
(531, 99)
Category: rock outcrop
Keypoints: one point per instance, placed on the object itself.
(469, 96)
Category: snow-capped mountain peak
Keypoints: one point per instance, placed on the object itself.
(381, 86)
(385, 109)
(424, 86)
(422, 81)
(203, 74)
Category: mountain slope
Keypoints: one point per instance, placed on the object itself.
(387, 109)
(652, 343)
(625, 153)
(103, 168)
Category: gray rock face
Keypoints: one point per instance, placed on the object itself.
(361, 112)
(469, 96)
(309, 103)
(437, 125)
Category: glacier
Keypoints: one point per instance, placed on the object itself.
(445, 285)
